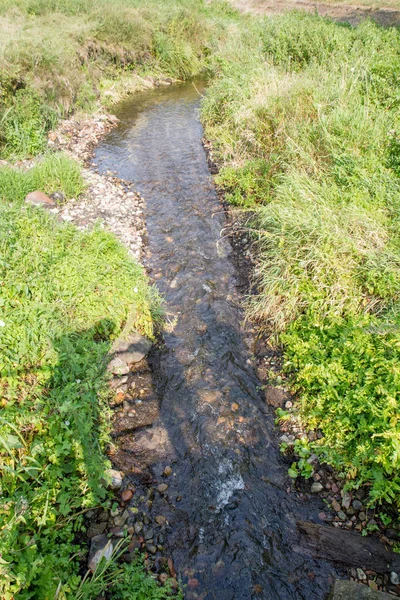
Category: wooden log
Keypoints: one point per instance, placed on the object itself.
(348, 548)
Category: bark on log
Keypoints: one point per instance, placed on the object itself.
(348, 548)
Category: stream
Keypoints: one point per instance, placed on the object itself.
(233, 532)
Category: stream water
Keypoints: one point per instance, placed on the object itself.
(233, 529)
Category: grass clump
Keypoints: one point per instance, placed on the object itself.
(64, 296)
(54, 172)
(305, 128)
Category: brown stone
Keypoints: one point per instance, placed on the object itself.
(126, 495)
(275, 397)
(235, 406)
(40, 199)
(162, 487)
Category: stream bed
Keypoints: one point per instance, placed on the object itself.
(232, 523)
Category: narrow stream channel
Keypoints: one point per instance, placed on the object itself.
(233, 525)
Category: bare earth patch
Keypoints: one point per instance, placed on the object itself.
(388, 16)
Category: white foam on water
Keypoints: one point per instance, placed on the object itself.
(229, 484)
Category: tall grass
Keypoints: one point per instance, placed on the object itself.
(304, 115)
(60, 55)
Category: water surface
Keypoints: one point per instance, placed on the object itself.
(233, 523)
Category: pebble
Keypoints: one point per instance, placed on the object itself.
(162, 487)
(361, 575)
(316, 487)
(342, 516)
(346, 500)
(151, 548)
(160, 520)
(115, 478)
(336, 505)
(394, 578)
(127, 495)
(167, 471)
(357, 505)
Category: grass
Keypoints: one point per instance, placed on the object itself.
(63, 55)
(65, 295)
(303, 115)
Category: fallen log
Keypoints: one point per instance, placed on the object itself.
(348, 548)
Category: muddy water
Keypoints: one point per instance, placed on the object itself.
(233, 525)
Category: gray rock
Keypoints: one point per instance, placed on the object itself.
(58, 197)
(316, 487)
(361, 575)
(151, 548)
(115, 477)
(346, 499)
(148, 534)
(131, 348)
(357, 505)
(350, 590)
(342, 516)
(117, 366)
(394, 578)
(121, 519)
(100, 547)
(96, 529)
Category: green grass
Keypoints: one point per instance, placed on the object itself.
(57, 56)
(304, 115)
(54, 172)
(65, 295)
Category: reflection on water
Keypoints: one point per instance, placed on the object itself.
(233, 523)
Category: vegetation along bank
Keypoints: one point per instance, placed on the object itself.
(303, 117)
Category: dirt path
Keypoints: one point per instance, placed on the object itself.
(386, 17)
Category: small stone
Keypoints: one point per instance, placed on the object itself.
(131, 348)
(100, 547)
(336, 505)
(167, 471)
(288, 405)
(40, 199)
(171, 567)
(346, 499)
(193, 583)
(357, 505)
(373, 585)
(138, 527)
(361, 575)
(394, 578)
(96, 529)
(334, 488)
(151, 548)
(117, 366)
(134, 544)
(162, 487)
(362, 516)
(148, 534)
(275, 396)
(58, 197)
(322, 516)
(235, 406)
(342, 516)
(115, 477)
(163, 577)
(120, 520)
(127, 495)
(316, 487)
(160, 520)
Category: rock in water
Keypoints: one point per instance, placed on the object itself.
(100, 546)
(37, 198)
(131, 348)
(350, 590)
